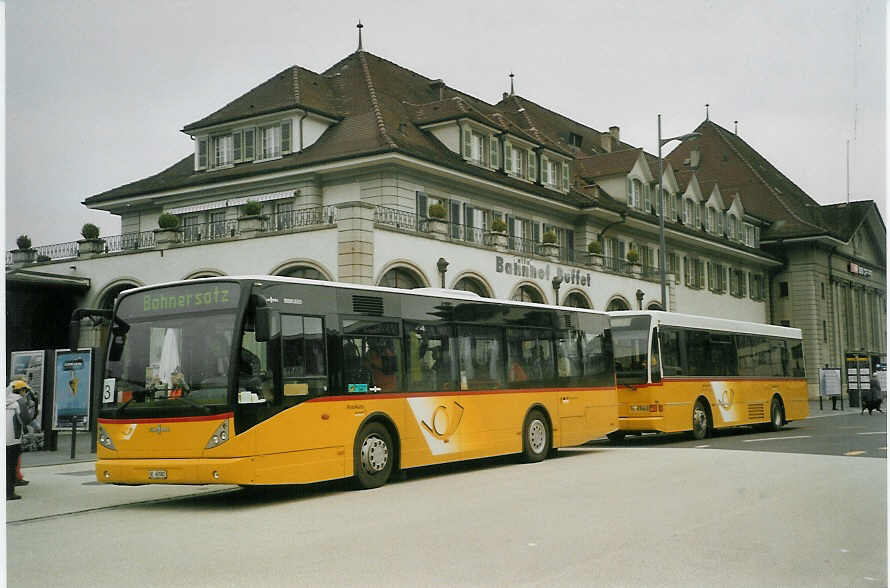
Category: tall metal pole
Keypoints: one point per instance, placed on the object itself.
(661, 253)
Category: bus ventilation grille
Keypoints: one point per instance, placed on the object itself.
(756, 412)
(367, 305)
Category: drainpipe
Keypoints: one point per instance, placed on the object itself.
(305, 114)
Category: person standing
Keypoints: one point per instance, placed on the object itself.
(17, 418)
(876, 395)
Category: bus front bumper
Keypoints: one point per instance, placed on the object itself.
(236, 470)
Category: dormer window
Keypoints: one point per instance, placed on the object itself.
(635, 197)
(222, 151)
(575, 140)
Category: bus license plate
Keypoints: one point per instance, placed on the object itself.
(157, 474)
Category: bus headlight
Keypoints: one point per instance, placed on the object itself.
(220, 435)
(105, 439)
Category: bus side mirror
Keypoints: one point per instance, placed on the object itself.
(266, 324)
(116, 348)
(73, 334)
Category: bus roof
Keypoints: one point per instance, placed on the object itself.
(427, 292)
(692, 321)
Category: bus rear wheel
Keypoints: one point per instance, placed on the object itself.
(373, 456)
(535, 437)
(777, 415)
(616, 436)
(701, 421)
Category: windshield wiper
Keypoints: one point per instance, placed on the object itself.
(203, 407)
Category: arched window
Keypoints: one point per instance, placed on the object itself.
(617, 304)
(302, 271)
(107, 300)
(469, 284)
(400, 277)
(528, 294)
(654, 306)
(576, 300)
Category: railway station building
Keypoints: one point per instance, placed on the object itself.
(371, 173)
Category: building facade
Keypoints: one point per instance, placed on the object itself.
(370, 173)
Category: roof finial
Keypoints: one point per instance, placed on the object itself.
(359, 26)
(707, 112)
(736, 129)
(511, 83)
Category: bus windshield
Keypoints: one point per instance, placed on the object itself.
(171, 352)
(630, 340)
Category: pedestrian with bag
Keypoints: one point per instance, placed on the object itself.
(18, 415)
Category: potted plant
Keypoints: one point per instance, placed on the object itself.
(595, 253)
(633, 258)
(168, 232)
(549, 248)
(497, 233)
(91, 244)
(438, 225)
(24, 253)
(251, 220)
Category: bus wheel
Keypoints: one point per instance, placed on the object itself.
(535, 437)
(701, 421)
(373, 456)
(616, 436)
(777, 415)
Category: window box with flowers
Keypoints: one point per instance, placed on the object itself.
(438, 224)
(168, 232)
(633, 258)
(497, 234)
(595, 253)
(549, 248)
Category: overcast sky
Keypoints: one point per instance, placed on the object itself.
(97, 91)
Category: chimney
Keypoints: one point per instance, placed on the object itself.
(694, 158)
(615, 132)
(606, 142)
(440, 86)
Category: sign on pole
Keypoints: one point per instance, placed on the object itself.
(73, 372)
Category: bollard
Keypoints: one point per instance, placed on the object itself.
(73, 435)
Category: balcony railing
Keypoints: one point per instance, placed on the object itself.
(410, 221)
(303, 217)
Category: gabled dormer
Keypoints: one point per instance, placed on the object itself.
(714, 209)
(691, 201)
(285, 114)
(735, 226)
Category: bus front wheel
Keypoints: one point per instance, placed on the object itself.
(701, 421)
(373, 456)
(535, 437)
(777, 415)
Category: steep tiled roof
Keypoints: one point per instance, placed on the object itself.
(379, 107)
(295, 87)
(764, 191)
(843, 219)
(607, 164)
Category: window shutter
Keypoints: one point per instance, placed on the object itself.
(236, 145)
(533, 166)
(249, 144)
(647, 200)
(494, 149)
(468, 143)
(508, 157)
(630, 199)
(285, 137)
(565, 176)
(545, 170)
(421, 205)
(202, 153)
(756, 237)
(536, 232)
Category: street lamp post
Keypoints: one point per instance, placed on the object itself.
(662, 257)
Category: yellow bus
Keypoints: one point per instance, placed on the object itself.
(272, 380)
(679, 372)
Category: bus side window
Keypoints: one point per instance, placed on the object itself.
(655, 358)
(303, 365)
(671, 360)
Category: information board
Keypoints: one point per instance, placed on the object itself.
(830, 381)
(73, 371)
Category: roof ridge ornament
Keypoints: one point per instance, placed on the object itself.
(512, 93)
(359, 26)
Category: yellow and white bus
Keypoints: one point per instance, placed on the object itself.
(271, 380)
(679, 372)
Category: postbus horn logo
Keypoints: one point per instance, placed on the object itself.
(445, 422)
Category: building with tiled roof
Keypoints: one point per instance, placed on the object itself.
(345, 166)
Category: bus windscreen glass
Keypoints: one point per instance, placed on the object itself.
(630, 341)
(176, 346)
